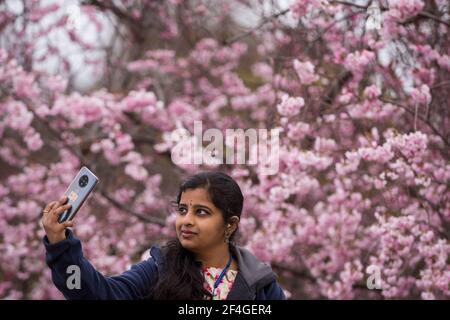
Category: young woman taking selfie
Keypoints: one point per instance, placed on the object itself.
(200, 263)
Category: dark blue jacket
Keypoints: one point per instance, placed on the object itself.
(254, 281)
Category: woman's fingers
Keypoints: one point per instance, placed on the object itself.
(61, 209)
(53, 210)
(58, 204)
(57, 211)
(62, 200)
(49, 207)
(68, 224)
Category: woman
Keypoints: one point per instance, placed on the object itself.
(201, 263)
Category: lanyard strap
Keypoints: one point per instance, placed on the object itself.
(216, 284)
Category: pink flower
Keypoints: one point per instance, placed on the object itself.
(300, 7)
(124, 143)
(421, 95)
(345, 97)
(25, 86)
(17, 116)
(263, 70)
(412, 145)
(405, 8)
(40, 11)
(305, 71)
(290, 106)
(244, 102)
(135, 171)
(138, 100)
(324, 145)
(179, 108)
(278, 194)
(56, 84)
(359, 60)
(123, 195)
(142, 65)
(34, 141)
(444, 62)
(427, 296)
(372, 92)
(297, 131)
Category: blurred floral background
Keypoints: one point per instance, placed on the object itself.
(358, 89)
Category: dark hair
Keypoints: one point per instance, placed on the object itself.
(181, 278)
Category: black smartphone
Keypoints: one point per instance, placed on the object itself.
(77, 192)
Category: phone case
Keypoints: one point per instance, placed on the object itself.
(77, 192)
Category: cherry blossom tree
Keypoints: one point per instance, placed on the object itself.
(358, 89)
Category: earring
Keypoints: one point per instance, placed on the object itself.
(227, 238)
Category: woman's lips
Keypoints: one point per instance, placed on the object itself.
(187, 234)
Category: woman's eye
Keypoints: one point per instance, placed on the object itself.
(199, 212)
(202, 212)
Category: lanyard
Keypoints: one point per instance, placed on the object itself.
(216, 284)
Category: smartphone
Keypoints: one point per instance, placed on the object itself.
(77, 192)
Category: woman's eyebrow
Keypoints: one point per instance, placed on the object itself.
(202, 206)
(196, 206)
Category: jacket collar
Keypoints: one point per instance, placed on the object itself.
(252, 275)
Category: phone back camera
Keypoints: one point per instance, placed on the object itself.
(83, 181)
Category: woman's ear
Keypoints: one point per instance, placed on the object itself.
(233, 224)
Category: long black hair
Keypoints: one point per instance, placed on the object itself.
(181, 277)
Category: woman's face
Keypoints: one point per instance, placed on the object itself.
(197, 214)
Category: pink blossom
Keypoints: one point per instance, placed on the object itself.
(305, 71)
(297, 131)
(300, 7)
(244, 102)
(290, 106)
(34, 141)
(372, 92)
(142, 65)
(421, 95)
(278, 194)
(17, 115)
(359, 183)
(345, 97)
(263, 70)
(444, 62)
(180, 108)
(324, 145)
(39, 12)
(138, 100)
(56, 84)
(25, 86)
(405, 8)
(358, 61)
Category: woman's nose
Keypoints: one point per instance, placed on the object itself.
(188, 218)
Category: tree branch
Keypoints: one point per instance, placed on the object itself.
(133, 24)
(245, 34)
(57, 136)
(427, 122)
